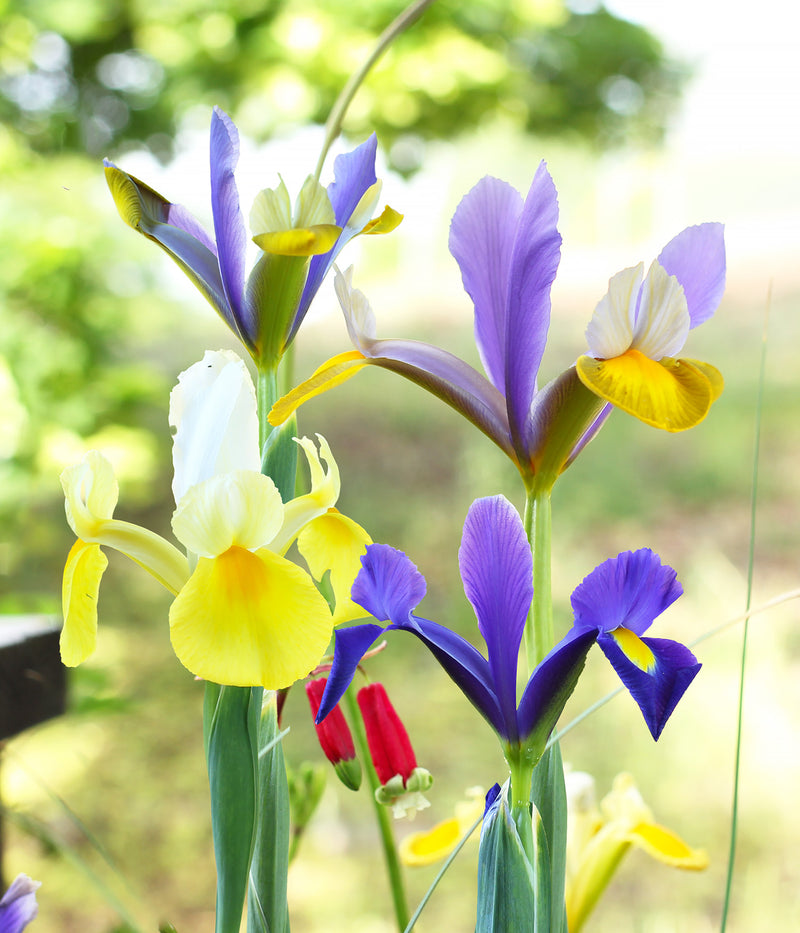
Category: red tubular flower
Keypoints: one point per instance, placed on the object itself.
(334, 737)
(394, 759)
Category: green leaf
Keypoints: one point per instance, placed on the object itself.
(549, 798)
(230, 724)
(267, 910)
(513, 886)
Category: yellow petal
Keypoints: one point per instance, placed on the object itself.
(303, 241)
(711, 373)
(313, 206)
(249, 619)
(334, 372)
(79, 591)
(90, 493)
(242, 508)
(667, 847)
(325, 488)
(669, 394)
(125, 196)
(335, 542)
(388, 220)
(428, 847)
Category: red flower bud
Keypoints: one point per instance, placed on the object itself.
(388, 740)
(334, 737)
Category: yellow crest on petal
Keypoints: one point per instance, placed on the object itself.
(249, 619)
(673, 395)
(333, 542)
(79, 591)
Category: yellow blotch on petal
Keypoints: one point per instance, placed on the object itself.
(79, 592)
(126, 197)
(303, 241)
(634, 648)
(332, 373)
(673, 395)
(249, 619)
(336, 543)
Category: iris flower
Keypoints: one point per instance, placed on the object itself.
(640, 326)
(624, 596)
(613, 605)
(508, 250)
(243, 614)
(599, 838)
(298, 247)
(18, 905)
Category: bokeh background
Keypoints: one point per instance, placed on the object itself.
(651, 117)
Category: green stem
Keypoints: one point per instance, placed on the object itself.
(539, 632)
(393, 867)
(266, 396)
(333, 125)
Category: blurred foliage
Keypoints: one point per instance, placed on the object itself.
(94, 75)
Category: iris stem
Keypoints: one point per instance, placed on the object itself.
(393, 868)
(539, 632)
(333, 125)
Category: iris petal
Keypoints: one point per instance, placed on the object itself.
(667, 847)
(300, 241)
(696, 257)
(332, 373)
(631, 590)
(671, 394)
(496, 568)
(242, 508)
(249, 619)
(81, 585)
(335, 543)
(482, 234)
(657, 690)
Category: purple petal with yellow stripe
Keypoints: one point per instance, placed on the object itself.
(658, 687)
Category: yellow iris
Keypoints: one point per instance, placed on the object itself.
(597, 840)
(245, 615)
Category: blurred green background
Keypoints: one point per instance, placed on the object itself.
(108, 805)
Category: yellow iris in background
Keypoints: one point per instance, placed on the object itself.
(244, 614)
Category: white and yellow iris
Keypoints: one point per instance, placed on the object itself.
(310, 228)
(243, 613)
(634, 336)
(598, 838)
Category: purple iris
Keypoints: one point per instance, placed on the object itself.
(216, 264)
(496, 569)
(18, 905)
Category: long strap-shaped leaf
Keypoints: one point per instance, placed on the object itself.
(230, 724)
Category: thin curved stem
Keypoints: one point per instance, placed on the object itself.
(333, 125)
